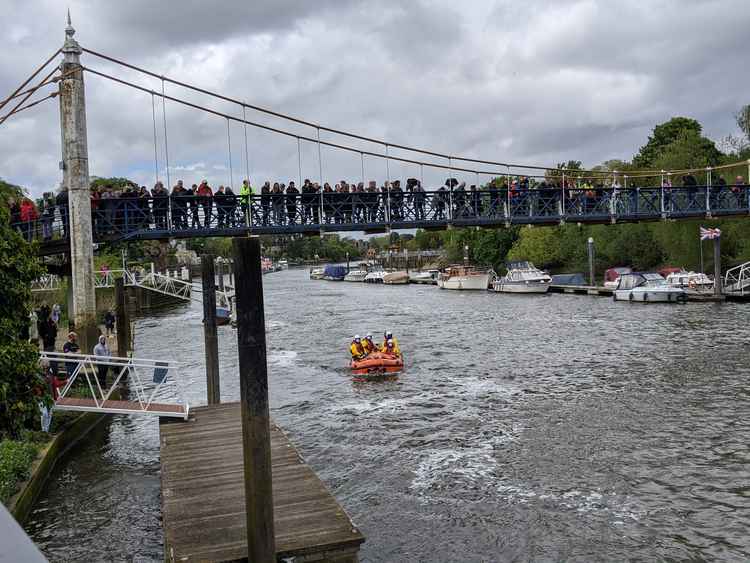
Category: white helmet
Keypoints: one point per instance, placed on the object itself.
(356, 337)
(388, 334)
(369, 336)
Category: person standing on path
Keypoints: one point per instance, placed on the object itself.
(101, 350)
(71, 347)
(109, 322)
(56, 311)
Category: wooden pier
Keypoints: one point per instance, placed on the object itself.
(581, 289)
(203, 495)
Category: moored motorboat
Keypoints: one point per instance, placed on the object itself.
(396, 278)
(334, 273)
(690, 280)
(522, 277)
(429, 277)
(375, 275)
(223, 316)
(358, 275)
(647, 288)
(317, 273)
(465, 278)
(612, 276)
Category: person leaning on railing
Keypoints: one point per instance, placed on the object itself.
(739, 189)
(245, 192)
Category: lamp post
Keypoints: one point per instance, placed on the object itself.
(590, 247)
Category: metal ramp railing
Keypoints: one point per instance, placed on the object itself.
(149, 393)
(737, 279)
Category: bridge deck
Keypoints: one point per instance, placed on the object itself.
(203, 495)
(118, 407)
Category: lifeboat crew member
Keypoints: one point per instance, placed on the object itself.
(358, 352)
(368, 344)
(388, 335)
(390, 348)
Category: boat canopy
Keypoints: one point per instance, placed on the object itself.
(335, 271)
(568, 279)
(670, 270)
(519, 265)
(612, 274)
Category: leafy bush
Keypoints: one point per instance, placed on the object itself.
(15, 463)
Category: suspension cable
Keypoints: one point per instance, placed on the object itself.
(156, 157)
(229, 145)
(320, 161)
(29, 79)
(247, 158)
(362, 162)
(323, 127)
(27, 106)
(166, 136)
(31, 92)
(601, 174)
(299, 160)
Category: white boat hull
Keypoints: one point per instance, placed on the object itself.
(480, 282)
(355, 277)
(650, 296)
(521, 287)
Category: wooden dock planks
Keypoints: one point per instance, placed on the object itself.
(203, 495)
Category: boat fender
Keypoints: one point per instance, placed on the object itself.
(645, 297)
(631, 296)
(682, 298)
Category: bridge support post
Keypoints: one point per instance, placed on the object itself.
(121, 317)
(256, 432)
(75, 165)
(717, 266)
(210, 338)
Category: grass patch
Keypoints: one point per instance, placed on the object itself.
(16, 458)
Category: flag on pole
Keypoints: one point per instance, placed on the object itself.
(710, 234)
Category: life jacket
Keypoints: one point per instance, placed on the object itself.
(356, 350)
(396, 350)
(368, 345)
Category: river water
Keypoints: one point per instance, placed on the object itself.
(524, 428)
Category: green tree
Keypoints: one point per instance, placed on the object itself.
(540, 245)
(677, 129)
(20, 383)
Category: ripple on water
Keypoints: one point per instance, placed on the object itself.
(550, 429)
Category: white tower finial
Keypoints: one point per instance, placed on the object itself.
(70, 45)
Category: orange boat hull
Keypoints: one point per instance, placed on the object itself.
(377, 361)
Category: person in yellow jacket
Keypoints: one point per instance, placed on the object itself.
(245, 192)
(368, 344)
(356, 349)
(388, 335)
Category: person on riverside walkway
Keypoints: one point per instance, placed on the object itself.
(388, 337)
(71, 347)
(55, 314)
(109, 322)
(101, 350)
(367, 344)
(356, 348)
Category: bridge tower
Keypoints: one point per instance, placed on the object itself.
(75, 166)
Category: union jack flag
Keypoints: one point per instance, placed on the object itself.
(709, 234)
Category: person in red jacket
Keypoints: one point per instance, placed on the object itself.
(206, 201)
(29, 214)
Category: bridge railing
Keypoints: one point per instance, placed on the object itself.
(151, 217)
(84, 387)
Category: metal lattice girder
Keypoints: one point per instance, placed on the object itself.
(737, 279)
(146, 382)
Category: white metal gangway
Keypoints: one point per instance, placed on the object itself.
(146, 381)
(737, 280)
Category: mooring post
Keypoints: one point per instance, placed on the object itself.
(121, 317)
(210, 338)
(256, 431)
(590, 248)
(75, 168)
(717, 266)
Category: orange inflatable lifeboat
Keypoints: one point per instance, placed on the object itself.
(378, 361)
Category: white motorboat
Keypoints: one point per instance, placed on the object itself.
(612, 276)
(522, 277)
(647, 288)
(375, 275)
(690, 280)
(356, 275)
(428, 277)
(465, 278)
(396, 278)
(282, 265)
(317, 273)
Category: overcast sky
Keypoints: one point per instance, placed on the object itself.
(533, 82)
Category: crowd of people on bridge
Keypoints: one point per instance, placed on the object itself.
(128, 208)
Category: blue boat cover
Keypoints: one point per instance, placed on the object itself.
(334, 272)
(568, 279)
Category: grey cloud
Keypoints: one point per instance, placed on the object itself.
(536, 82)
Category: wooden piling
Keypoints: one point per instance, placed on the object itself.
(210, 337)
(121, 317)
(717, 266)
(256, 433)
